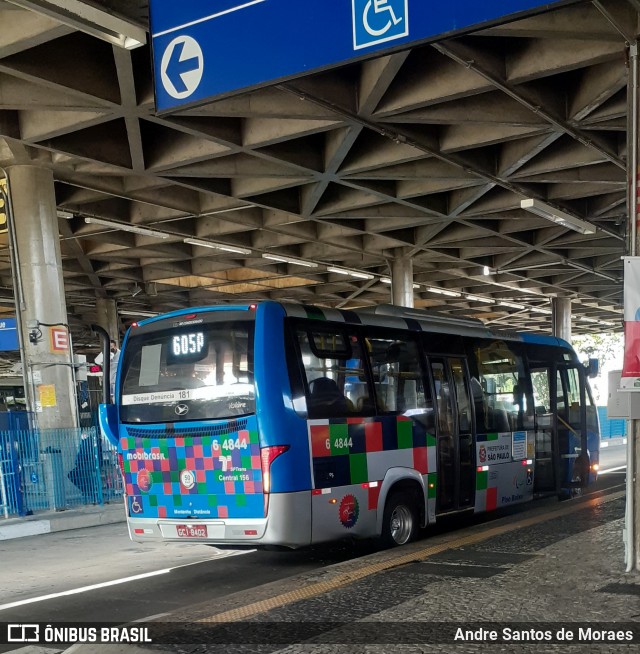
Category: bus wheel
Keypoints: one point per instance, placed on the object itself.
(399, 523)
(579, 479)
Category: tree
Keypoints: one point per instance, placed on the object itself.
(606, 347)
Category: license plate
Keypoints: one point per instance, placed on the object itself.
(192, 531)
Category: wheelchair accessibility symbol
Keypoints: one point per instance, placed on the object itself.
(377, 21)
(135, 504)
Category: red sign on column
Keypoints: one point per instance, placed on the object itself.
(59, 337)
(631, 366)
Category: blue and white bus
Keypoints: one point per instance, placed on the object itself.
(282, 424)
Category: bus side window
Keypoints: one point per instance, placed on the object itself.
(442, 399)
(336, 382)
(480, 404)
(397, 375)
(498, 395)
(462, 395)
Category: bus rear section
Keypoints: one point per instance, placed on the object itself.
(193, 463)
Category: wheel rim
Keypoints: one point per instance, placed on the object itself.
(401, 524)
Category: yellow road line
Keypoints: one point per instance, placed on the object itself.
(318, 588)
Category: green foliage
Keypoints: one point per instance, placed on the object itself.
(540, 381)
(606, 346)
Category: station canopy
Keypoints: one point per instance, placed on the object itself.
(426, 152)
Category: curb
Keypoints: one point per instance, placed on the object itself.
(62, 521)
(109, 649)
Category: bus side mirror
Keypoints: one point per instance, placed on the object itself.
(108, 421)
(106, 362)
(593, 368)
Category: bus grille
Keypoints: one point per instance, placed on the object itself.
(171, 432)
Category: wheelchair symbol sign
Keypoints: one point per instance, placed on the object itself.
(135, 504)
(377, 21)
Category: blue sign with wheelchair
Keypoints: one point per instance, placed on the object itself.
(207, 49)
(135, 504)
(379, 21)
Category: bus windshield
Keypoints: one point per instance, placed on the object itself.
(191, 372)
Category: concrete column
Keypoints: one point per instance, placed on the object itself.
(107, 316)
(402, 281)
(561, 307)
(632, 513)
(38, 268)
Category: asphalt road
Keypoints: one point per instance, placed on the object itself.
(613, 459)
(98, 575)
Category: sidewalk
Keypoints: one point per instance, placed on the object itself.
(556, 567)
(613, 442)
(47, 522)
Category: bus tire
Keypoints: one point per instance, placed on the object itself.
(580, 475)
(579, 479)
(399, 521)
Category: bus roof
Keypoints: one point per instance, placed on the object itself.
(383, 315)
(181, 313)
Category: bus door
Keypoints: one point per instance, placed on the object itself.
(559, 395)
(544, 381)
(572, 427)
(455, 445)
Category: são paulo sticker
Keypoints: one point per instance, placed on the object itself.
(349, 511)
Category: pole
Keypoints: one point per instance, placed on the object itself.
(402, 280)
(3, 494)
(561, 307)
(33, 207)
(18, 296)
(632, 513)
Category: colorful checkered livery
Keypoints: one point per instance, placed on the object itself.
(487, 481)
(486, 496)
(348, 451)
(194, 476)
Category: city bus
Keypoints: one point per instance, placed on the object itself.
(276, 424)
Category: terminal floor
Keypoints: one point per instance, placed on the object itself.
(554, 567)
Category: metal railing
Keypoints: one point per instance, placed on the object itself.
(54, 470)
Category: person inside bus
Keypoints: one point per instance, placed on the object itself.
(326, 399)
(85, 474)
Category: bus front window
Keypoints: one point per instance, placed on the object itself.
(193, 373)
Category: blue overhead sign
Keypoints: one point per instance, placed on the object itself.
(204, 49)
(8, 335)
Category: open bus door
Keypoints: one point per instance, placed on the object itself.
(561, 460)
(455, 442)
(571, 406)
(107, 411)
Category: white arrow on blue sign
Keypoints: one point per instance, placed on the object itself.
(182, 67)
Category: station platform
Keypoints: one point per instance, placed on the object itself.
(48, 522)
(550, 578)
